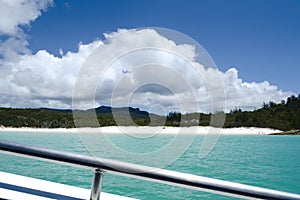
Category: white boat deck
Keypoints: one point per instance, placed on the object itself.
(16, 187)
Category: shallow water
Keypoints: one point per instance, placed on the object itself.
(266, 161)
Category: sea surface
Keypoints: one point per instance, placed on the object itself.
(266, 161)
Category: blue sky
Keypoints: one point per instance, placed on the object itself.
(43, 43)
(259, 38)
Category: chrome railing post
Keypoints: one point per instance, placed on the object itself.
(97, 185)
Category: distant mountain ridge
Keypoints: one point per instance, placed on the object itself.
(134, 112)
(108, 110)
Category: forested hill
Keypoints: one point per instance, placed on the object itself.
(57, 118)
(283, 116)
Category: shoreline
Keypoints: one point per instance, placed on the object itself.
(156, 130)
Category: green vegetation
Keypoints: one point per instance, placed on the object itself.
(284, 116)
(37, 118)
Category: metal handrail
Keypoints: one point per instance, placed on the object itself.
(102, 165)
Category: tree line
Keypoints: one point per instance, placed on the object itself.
(283, 116)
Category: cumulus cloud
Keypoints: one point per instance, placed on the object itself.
(249, 96)
(12, 48)
(159, 77)
(17, 13)
(42, 79)
(14, 16)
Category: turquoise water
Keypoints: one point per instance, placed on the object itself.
(266, 161)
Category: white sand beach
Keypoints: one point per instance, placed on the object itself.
(195, 130)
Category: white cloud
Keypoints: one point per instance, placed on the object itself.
(249, 96)
(44, 80)
(16, 13)
(61, 52)
(14, 16)
(12, 48)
